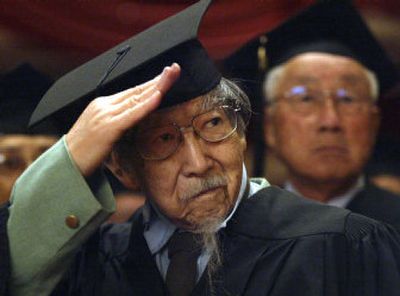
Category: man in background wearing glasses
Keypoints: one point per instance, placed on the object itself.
(321, 114)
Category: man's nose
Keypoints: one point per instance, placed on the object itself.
(329, 115)
(193, 153)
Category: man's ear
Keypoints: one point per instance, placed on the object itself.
(129, 179)
(269, 130)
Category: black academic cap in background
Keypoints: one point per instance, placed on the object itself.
(20, 92)
(330, 26)
(135, 61)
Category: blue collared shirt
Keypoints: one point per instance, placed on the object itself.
(158, 229)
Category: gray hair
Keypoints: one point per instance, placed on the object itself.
(273, 76)
(271, 82)
(229, 93)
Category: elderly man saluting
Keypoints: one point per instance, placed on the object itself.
(206, 228)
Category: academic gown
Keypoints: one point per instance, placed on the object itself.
(276, 244)
(378, 204)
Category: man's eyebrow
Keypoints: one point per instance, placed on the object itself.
(10, 149)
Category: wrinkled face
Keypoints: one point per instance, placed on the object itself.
(328, 143)
(200, 181)
(17, 152)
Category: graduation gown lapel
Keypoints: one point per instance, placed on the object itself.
(232, 277)
(239, 255)
(140, 268)
(378, 204)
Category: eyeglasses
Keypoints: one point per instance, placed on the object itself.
(212, 126)
(305, 100)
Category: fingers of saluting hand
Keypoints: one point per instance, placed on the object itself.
(168, 78)
(134, 91)
(139, 93)
(139, 101)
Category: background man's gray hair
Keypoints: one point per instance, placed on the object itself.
(272, 78)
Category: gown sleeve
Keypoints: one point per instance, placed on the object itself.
(42, 241)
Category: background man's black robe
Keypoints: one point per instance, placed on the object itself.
(275, 244)
(377, 204)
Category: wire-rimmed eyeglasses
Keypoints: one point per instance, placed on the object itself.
(212, 126)
(305, 100)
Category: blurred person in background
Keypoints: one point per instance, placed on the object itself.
(17, 152)
(321, 114)
(20, 91)
(325, 74)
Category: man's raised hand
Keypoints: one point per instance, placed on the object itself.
(105, 119)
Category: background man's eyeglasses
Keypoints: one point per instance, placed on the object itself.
(305, 100)
(212, 126)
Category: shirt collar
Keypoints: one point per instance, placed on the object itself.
(340, 201)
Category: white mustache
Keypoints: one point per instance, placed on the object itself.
(198, 186)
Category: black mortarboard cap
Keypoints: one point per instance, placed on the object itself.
(20, 92)
(331, 26)
(135, 61)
